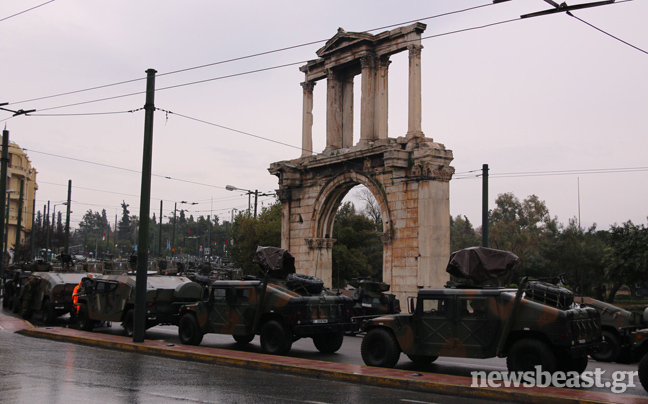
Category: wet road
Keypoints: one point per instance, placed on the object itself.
(350, 353)
(43, 371)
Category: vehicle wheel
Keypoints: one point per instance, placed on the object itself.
(626, 357)
(129, 323)
(275, 339)
(189, 330)
(5, 301)
(83, 318)
(569, 364)
(526, 354)
(422, 359)
(328, 343)
(610, 350)
(380, 348)
(643, 372)
(49, 313)
(243, 339)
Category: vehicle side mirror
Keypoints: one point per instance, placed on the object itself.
(411, 304)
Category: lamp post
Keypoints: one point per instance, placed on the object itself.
(249, 193)
(175, 210)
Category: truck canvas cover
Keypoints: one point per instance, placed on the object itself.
(480, 263)
(278, 261)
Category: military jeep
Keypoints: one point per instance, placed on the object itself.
(53, 296)
(639, 341)
(268, 308)
(112, 298)
(537, 324)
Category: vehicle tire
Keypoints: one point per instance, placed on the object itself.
(83, 319)
(380, 348)
(16, 306)
(568, 364)
(275, 339)
(643, 372)
(422, 359)
(243, 339)
(328, 343)
(129, 323)
(308, 284)
(189, 330)
(5, 301)
(626, 357)
(526, 354)
(610, 350)
(49, 313)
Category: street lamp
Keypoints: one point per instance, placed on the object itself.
(249, 193)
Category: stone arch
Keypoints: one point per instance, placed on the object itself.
(333, 192)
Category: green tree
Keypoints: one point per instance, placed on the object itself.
(626, 258)
(462, 234)
(248, 233)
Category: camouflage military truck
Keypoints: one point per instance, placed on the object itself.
(14, 279)
(112, 298)
(616, 325)
(537, 324)
(53, 297)
(268, 308)
(370, 299)
(639, 340)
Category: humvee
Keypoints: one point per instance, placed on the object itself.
(53, 296)
(639, 341)
(537, 324)
(112, 298)
(268, 308)
(616, 326)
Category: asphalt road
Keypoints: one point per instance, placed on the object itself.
(350, 353)
(36, 370)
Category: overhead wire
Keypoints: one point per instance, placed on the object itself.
(24, 11)
(247, 56)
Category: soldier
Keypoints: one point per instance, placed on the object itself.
(78, 290)
(27, 294)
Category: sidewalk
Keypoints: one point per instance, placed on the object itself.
(392, 378)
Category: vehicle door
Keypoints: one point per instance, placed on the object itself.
(219, 313)
(241, 314)
(107, 299)
(433, 325)
(476, 325)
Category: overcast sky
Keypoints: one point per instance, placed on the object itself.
(546, 95)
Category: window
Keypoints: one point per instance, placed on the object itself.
(220, 295)
(472, 307)
(435, 307)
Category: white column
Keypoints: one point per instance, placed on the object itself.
(414, 99)
(367, 109)
(307, 119)
(382, 99)
(333, 111)
(347, 112)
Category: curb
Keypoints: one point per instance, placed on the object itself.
(378, 377)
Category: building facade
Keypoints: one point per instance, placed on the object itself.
(19, 170)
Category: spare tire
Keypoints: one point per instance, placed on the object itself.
(305, 284)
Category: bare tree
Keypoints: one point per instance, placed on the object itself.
(371, 208)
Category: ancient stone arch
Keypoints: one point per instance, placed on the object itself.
(408, 175)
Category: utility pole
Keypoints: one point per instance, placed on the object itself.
(485, 205)
(145, 201)
(3, 189)
(115, 236)
(33, 233)
(160, 233)
(67, 219)
(175, 209)
(47, 243)
(19, 219)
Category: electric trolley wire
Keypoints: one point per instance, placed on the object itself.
(29, 9)
(245, 57)
(607, 33)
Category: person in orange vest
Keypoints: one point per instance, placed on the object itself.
(78, 290)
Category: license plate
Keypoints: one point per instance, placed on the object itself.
(581, 341)
(321, 321)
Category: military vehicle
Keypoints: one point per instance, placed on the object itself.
(616, 325)
(639, 341)
(269, 308)
(112, 298)
(53, 297)
(14, 279)
(537, 324)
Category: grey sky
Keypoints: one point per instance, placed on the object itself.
(545, 94)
